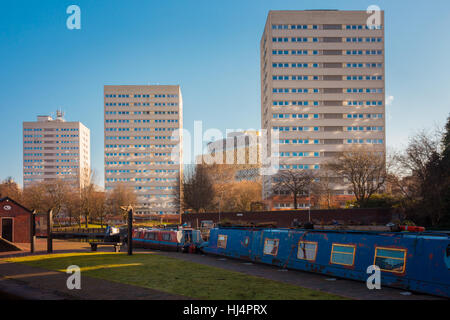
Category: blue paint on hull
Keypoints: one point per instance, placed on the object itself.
(426, 267)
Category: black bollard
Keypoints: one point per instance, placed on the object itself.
(130, 231)
(49, 231)
(32, 231)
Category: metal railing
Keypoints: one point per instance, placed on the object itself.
(79, 230)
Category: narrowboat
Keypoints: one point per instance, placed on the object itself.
(415, 261)
(184, 239)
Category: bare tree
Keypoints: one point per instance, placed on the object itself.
(197, 189)
(72, 206)
(56, 192)
(244, 194)
(295, 182)
(86, 196)
(413, 161)
(33, 197)
(93, 200)
(178, 195)
(121, 195)
(363, 168)
(47, 195)
(9, 188)
(226, 192)
(323, 188)
(98, 204)
(419, 177)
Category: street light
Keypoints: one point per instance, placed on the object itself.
(129, 209)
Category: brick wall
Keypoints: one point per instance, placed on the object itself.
(21, 220)
(284, 218)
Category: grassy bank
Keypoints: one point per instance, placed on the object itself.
(174, 276)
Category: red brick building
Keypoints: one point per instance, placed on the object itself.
(14, 221)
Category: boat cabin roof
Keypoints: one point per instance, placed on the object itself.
(424, 235)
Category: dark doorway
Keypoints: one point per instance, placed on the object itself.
(7, 229)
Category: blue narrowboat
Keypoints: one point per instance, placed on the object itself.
(414, 261)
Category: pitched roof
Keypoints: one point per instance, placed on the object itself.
(15, 202)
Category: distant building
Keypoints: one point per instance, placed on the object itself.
(54, 148)
(239, 151)
(141, 135)
(322, 88)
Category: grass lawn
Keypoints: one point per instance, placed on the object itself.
(83, 226)
(174, 276)
(149, 224)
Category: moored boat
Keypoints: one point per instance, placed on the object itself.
(416, 261)
(183, 239)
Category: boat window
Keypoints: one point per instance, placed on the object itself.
(271, 246)
(222, 241)
(391, 260)
(343, 254)
(166, 236)
(307, 250)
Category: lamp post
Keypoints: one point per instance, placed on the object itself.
(130, 231)
(32, 231)
(49, 231)
(129, 211)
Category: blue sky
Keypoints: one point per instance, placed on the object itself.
(209, 47)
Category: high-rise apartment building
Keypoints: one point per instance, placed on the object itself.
(54, 148)
(142, 142)
(322, 86)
